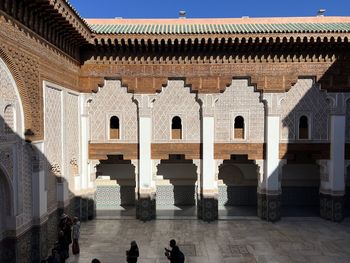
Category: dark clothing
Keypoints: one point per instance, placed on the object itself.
(132, 255)
(75, 247)
(63, 248)
(176, 256)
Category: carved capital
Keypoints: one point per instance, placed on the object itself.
(144, 104)
(207, 103)
(338, 103)
(273, 102)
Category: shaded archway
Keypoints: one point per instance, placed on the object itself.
(347, 192)
(238, 182)
(6, 203)
(176, 188)
(300, 186)
(115, 188)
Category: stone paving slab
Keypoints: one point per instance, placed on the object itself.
(290, 240)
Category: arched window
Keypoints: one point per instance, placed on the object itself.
(9, 118)
(239, 128)
(176, 128)
(114, 128)
(303, 127)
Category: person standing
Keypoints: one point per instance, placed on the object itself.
(76, 235)
(133, 253)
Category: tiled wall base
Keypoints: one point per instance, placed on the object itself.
(84, 208)
(35, 244)
(146, 208)
(207, 209)
(269, 207)
(32, 246)
(332, 207)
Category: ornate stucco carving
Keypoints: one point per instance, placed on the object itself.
(176, 100)
(239, 99)
(113, 100)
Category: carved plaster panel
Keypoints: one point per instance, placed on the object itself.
(239, 99)
(176, 100)
(305, 98)
(71, 122)
(53, 140)
(113, 100)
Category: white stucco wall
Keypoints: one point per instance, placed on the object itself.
(239, 99)
(176, 100)
(304, 98)
(113, 100)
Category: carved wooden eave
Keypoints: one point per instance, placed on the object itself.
(54, 20)
(129, 40)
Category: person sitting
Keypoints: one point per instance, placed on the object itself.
(95, 260)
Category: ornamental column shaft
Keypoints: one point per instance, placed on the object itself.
(208, 199)
(146, 203)
(269, 190)
(332, 188)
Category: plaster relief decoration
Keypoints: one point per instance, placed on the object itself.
(53, 140)
(176, 100)
(305, 98)
(6, 161)
(239, 99)
(113, 100)
(71, 122)
(8, 102)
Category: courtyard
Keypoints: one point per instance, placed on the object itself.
(240, 240)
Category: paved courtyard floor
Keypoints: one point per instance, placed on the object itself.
(239, 240)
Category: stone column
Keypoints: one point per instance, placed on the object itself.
(39, 181)
(208, 199)
(333, 186)
(84, 144)
(146, 203)
(39, 195)
(269, 190)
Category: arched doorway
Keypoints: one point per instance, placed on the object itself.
(300, 187)
(176, 188)
(115, 188)
(347, 192)
(6, 204)
(238, 182)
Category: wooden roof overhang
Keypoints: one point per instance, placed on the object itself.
(144, 57)
(54, 20)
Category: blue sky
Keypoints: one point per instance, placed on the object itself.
(208, 8)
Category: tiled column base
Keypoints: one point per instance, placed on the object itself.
(207, 209)
(30, 246)
(146, 208)
(269, 207)
(332, 207)
(84, 208)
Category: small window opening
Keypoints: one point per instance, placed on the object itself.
(176, 128)
(114, 128)
(239, 128)
(303, 128)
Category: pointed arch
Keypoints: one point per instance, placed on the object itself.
(21, 94)
(6, 200)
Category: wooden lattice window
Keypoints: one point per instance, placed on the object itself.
(239, 128)
(303, 127)
(114, 128)
(176, 128)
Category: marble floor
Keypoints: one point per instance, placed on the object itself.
(240, 240)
